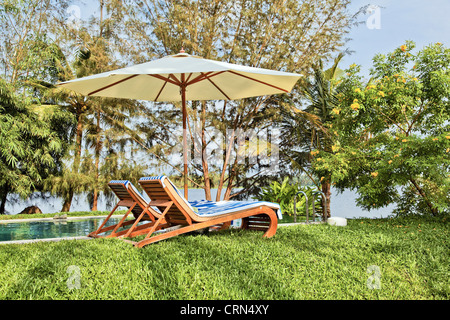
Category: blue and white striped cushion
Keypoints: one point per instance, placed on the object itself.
(128, 184)
(120, 181)
(163, 178)
(211, 208)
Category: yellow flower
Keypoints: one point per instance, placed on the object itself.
(397, 155)
(321, 178)
(313, 153)
(447, 137)
(319, 159)
(381, 93)
(404, 80)
(357, 90)
(403, 48)
(374, 174)
(404, 140)
(390, 161)
(448, 150)
(356, 100)
(334, 148)
(435, 139)
(439, 44)
(371, 87)
(336, 110)
(415, 79)
(355, 106)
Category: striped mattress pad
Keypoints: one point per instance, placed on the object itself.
(212, 208)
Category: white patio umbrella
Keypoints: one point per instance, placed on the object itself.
(184, 77)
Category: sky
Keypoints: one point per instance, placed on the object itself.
(396, 21)
(381, 31)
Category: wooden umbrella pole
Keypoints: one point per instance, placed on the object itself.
(183, 102)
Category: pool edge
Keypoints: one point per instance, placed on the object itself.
(50, 219)
(45, 240)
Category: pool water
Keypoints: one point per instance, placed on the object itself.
(51, 229)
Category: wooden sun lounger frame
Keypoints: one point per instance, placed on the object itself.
(136, 205)
(176, 217)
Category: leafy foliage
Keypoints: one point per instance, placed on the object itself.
(307, 131)
(394, 132)
(279, 35)
(284, 194)
(29, 149)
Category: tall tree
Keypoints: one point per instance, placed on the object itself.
(22, 24)
(308, 131)
(283, 35)
(394, 133)
(29, 149)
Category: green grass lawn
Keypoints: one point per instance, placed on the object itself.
(300, 262)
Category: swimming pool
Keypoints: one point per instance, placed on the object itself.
(51, 228)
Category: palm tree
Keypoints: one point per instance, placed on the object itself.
(93, 115)
(308, 131)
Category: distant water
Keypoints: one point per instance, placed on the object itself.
(342, 205)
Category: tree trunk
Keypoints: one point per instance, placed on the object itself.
(4, 196)
(97, 142)
(204, 155)
(433, 209)
(224, 168)
(68, 201)
(97, 164)
(227, 158)
(95, 200)
(77, 158)
(326, 189)
(79, 136)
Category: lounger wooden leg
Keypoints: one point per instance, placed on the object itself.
(135, 224)
(146, 210)
(269, 232)
(273, 223)
(170, 234)
(121, 221)
(96, 232)
(160, 219)
(225, 226)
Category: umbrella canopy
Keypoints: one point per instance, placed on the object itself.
(184, 77)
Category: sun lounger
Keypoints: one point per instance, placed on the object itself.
(130, 198)
(175, 215)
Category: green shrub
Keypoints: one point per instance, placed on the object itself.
(284, 193)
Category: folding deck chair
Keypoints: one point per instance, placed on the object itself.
(130, 198)
(175, 215)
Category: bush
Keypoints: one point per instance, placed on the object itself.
(284, 193)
